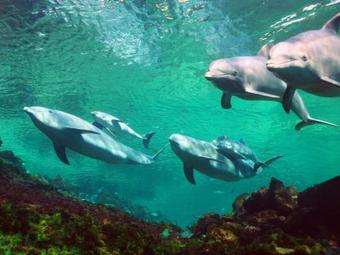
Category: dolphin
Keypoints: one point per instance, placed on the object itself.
(66, 130)
(118, 127)
(243, 157)
(309, 61)
(204, 157)
(248, 78)
(234, 150)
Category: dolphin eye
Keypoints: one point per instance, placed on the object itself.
(234, 73)
(304, 58)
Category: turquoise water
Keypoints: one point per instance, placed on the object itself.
(144, 61)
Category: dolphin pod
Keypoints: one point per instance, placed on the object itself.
(68, 131)
(248, 78)
(309, 61)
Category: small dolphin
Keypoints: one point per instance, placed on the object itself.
(234, 150)
(248, 78)
(118, 127)
(66, 130)
(204, 157)
(242, 156)
(309, 61)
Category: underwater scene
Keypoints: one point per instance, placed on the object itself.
(169, 127)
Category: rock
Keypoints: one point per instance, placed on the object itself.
(315, 197)
(278, 197)
(11, 157)
(204, 223)
(222, 234)
(238, 208)
(318, 212)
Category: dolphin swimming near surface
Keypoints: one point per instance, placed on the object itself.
(204, 157)
(309, 61)
(248, 78)
(118, 127)
(68, 131)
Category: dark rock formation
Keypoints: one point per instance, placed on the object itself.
(318, 212)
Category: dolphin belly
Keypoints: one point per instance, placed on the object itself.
(218, 170)
(103, 148)
(321, 91)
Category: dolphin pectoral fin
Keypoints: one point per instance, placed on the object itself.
(96, 124)
(80, 131)
(288, 98)
(189, 173)
(61, 153)
(226, 101)
(329, 82)
(261, 94)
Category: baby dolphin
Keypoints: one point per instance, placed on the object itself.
(204, 157)
(240, 153)
(309, 61)
(248, 78)
(66, 130)
(118, 127)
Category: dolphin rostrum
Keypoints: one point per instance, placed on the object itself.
(309, 61)
(248, 78)
(118, 127)
(204, 157)
(68, 131)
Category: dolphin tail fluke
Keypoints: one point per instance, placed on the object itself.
(312, 121)
(147, 138)
(159, 152)
(267, 163)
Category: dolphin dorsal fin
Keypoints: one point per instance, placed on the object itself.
(242, 141)
(222, 138)
(333, 24)
(264, 51)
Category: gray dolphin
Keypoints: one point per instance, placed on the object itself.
(204, 157)
(248, 78)
(66, 130)
(240, 153)
(309, 61)
(232, 149)
(118, 127)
